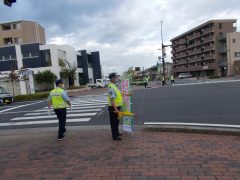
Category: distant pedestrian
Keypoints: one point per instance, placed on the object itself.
(145, 81)
(163, 80)
(59, 100)
(115, 102)
(172, 80)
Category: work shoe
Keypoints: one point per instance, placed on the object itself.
(65, 133)
(61, 138)
(117, 139)
(120, 134)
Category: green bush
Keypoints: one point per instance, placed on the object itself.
(138, 83)
(213, 77)
(35, 96)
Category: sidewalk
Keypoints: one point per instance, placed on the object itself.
(90, 153)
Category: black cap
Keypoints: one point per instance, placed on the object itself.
(112, 75)
(59, 81)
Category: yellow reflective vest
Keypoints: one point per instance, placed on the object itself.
(118, 100)
(57, 99)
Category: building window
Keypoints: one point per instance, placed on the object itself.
(6, 27)
(7, 41)
(14, 26)
(237, 54)
(233, 40)
(220, 25)
(26, 55)
(30, 55)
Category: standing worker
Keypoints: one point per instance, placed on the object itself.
(59, 100)
(115, 102)
(163, 80)
(145, 80)
(172, 80)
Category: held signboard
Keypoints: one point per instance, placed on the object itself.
(127, 121)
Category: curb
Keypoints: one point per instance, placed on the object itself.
(201, 129)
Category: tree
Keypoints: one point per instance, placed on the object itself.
(45, 76)
(13, 76)
(68, 71)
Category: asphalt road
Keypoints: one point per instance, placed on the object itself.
(212, 102)
(189, 101)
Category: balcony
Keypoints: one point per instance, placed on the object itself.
(208, 30)
(222, 37)
(207, 39)
(223, 62)
(222, 50)
(208, 48)
(209, 57)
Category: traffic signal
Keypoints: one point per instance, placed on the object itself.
(137, 68)
(9, 2)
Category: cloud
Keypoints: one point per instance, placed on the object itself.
(126, 32)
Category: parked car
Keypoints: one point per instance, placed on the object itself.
(184, 75)
(5, 98)
(100, 83)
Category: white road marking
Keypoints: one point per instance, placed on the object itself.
(85, 105)
(20, 106)
(74, 108)
(72, 111)
(15, 112)
(208, 82)
(87, 102)
(192, 124)
(43, 122)
(52, 116)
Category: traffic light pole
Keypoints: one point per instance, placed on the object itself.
(164, 53)
(163, 56)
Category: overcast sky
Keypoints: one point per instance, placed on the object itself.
(126, 32)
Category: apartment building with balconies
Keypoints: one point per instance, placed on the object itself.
(202, 51)
(21, 32)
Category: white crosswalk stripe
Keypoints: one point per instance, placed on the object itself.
(84, 108)
(72, 111)
(42, 122)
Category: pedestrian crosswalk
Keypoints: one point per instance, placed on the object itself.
(84, 108)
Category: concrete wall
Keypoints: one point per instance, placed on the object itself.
(232, 48)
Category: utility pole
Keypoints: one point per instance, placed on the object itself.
(163, 56)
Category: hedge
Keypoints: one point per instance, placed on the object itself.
(138, 83)
(35, 96)
(213, 77)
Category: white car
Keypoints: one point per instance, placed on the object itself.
(184, 75)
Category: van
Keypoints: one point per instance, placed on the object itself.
(184, 75)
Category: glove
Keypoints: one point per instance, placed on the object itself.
(49, 111)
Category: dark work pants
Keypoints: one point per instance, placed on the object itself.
(61, 115)
(145, 84)
(114, 121)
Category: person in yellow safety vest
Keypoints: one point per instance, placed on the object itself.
(163, 80)
(145, 81)
(172, 80)
(115, 102)
(59, 100)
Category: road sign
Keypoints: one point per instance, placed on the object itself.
(27, 73)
